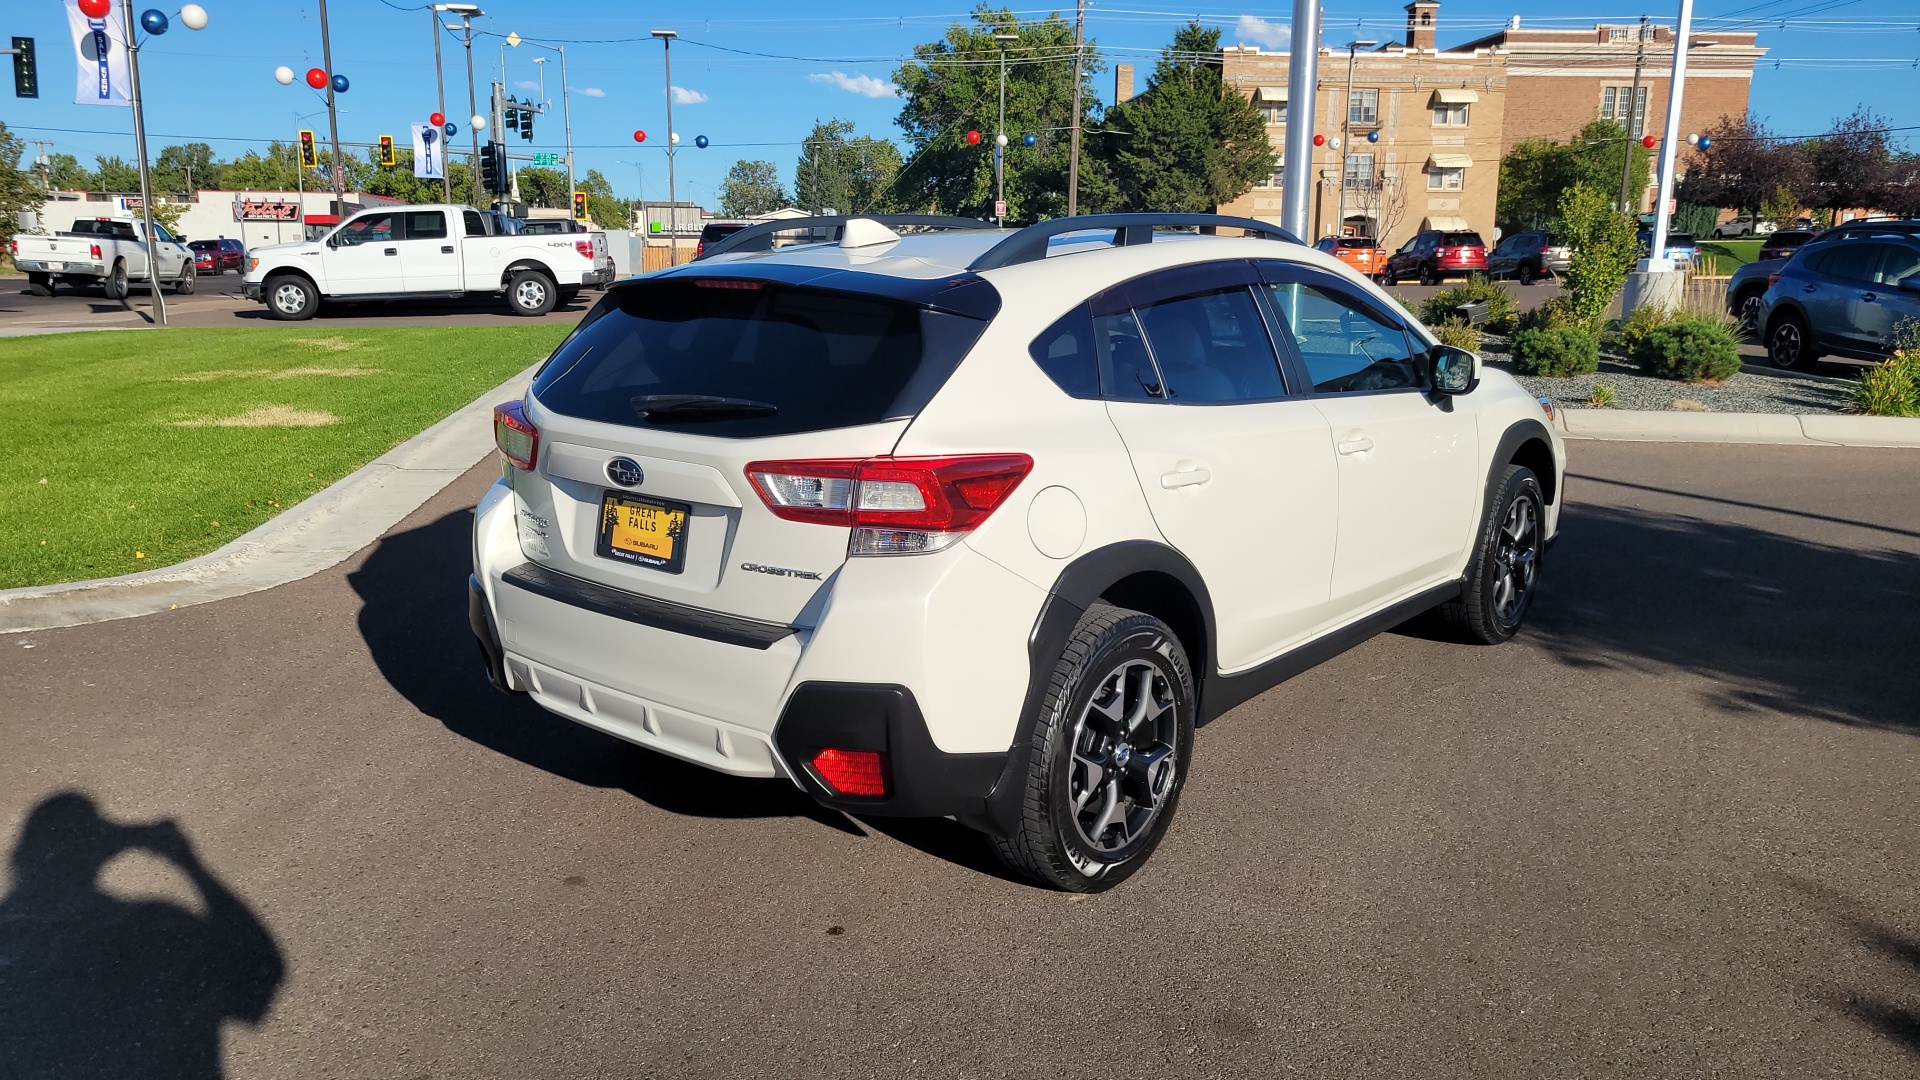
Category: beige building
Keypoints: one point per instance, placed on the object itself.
(1412, 141)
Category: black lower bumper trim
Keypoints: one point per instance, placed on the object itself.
(491, 653)
(645, 610)
(922, 779)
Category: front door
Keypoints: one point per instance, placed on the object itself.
(1883, 305)
(428, 256)
(1236, 469)
(1408, 462)
(363, 256)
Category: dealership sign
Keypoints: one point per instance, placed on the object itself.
(265, 210)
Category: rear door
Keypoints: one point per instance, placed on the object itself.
(429, 257)
(1830, 289)
(1235, 465)
(1408, 463)
(1883, 305)
(363, 256)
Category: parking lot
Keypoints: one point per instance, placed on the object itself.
(1666, 832)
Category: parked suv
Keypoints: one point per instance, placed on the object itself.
(981, 523)
(225, 255)
(1366, 257)
(1843, 295)
(1433, 255)
(1528, 257)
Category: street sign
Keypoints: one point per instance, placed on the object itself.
(1000, 208)
(546, 160)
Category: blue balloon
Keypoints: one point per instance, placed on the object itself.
(1373, 136)
(1705, 143)
(452, 129)
(700, 141)
(153, 21)
(1029, 139)
(340, 84)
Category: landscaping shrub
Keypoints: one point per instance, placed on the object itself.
(1644, 320)
(1605, 244)
(1556, 352)
(1893, 388)
(1552, 315)
(1688, 350)
(1457, 334)
(1443, 305)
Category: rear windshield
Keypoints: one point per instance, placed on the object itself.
(1355, 242)
(205, 245)
(1679, 239)
(119, 230)
(1788, 239)
(819, 359)
(1461, 239)
(715, 232)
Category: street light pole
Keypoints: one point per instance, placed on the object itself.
(140, 146)
(1000, 135)
(1303, 86)
(473, 110)
(1346, 137)
(1669, 145)
(1073, 155)
(440, 87)
(673, 208)
(333, 118)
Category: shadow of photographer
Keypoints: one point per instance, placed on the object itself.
(93, 985)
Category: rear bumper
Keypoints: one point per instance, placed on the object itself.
(71, 269)
(595, 278)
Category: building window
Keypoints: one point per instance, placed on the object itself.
(1359, 172)
(1278, 177)
(1273, 112)
(1363, 107)
(1449, 116)
(1439, 179)
(1614, 107)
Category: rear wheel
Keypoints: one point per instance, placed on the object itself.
(1528, 274)
(1108, 755)
(1389, 278)
(189, 277)
(291, 298)
(1506, 564)
(1746, 308)
(1790, 343)
(1429, 274)
(115, 283)
(40, 284)
(530, 292)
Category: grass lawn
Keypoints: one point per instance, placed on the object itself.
(136, 449)
(1725, 256)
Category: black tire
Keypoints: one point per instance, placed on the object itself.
(115, 283)
(1429, 275)
(40, 284)
(1389, 278)
(1528, 274)
(290, 297)
(1746, 308)
(1505, 571)
(531, 293)
(1112, 655)
(1790, 343)
(189, 278)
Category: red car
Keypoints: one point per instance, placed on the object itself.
(219, 256)
(1434, 255)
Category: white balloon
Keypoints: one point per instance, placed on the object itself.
(1000, 140)
(193, 16)
(479, 123)
(675, 139)
(283, 75)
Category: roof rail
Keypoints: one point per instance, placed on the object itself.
(760, 237)
(1030, 243)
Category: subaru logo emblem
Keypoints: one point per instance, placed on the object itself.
(625, 472)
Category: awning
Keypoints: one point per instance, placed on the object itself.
(1270, 93)
(1449, 224)
(1450, 161)
(1455, 96)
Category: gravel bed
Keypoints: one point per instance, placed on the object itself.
(1743, 393)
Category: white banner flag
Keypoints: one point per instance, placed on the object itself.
(428, 145)
(100, 46)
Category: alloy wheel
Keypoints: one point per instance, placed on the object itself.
(1516, 559)
(1750, 315)
(1787, 345)
(1124, 766)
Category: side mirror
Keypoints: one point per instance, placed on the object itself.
(1452, 370)
(1910, 283)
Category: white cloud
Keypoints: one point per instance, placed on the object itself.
(592, 91)
(527, 84)
(864, 85)
(684, 96)
(1263, 33)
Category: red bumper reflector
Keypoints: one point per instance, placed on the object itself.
(853, 772)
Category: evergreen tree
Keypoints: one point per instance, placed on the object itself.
(1190, 142)
(838, 171)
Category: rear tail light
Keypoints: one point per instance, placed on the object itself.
(515, 435)
(699, 249)
(95, 249)
(584, 247)
(1546, 251)
(895, 506)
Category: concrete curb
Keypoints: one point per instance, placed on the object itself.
(1787, 429)
(306, 538)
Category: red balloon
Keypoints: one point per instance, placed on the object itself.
(95, 9)
(316, 78)
(639, 136)
(973, 138)
(438, 119)
(1649, 142)
(1319, 140)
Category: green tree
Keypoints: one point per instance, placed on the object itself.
(1194, 142)
(952, 86)
(605, 210)
(117, 176)
(1535, 173)
(64, 173)
(253, 172)
(18, 190)
(185, 168)
(1848, 166)
(544, 187)
(1605, 246)
(752, 187)
(845, 173)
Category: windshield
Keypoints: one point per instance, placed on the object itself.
(788, 359)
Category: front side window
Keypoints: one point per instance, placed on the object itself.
(1849, 262)
(1897, 262)
(1346, 348)
(366, 229)
(1439, 179)
(1212, 348)
(475, 226)
(1363, 106)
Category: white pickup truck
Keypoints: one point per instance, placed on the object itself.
(432, 250)
(109, 252)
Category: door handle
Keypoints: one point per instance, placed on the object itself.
(1174, 481)
(446, 249)
(1806, 289)
(1359, 444)
(392, 251)
(1868, 297)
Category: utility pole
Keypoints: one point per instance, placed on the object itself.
(566, 113)
(41, 163)
(1000, 134)
(440, 87)
(1346, 137)
(140, 144)
(1633, 118)
(473, 110)
(1073, 155)
(333, 119)
(673, 209)
(1303, 87)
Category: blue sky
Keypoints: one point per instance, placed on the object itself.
(217, 85)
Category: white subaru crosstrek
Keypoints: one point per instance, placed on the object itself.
(980, 523)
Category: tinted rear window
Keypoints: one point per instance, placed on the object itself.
(1461, 239)
(1356, 242)
(717, 232)
(1788, 239)
(1679, 239)
(205, 245)
(823, 359)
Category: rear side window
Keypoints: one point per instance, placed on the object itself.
(476, 225)
(1848, 262)
(785, 359)
(1461, 239)
(1065, 351)
(426, 225)
(1212, 348)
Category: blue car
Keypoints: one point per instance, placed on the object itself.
(1843, 297)
(1680, 246)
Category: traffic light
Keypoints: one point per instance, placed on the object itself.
(26, 77)
(386, 150)
(579, 206)
(492, 157)
(509, 119)
(526, 124)
(309, 157)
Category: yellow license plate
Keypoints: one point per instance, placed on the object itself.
(643, 531)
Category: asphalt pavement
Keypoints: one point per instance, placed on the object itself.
(1667, 832)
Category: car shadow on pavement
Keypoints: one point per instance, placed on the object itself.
(1775, 621)
(92, 984)
(414, 621)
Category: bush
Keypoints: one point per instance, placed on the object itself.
(1644, 320)
(1890, 389)
(1456, 333)
(1443, 305)
(1556, 352)
(1605, 243)
(1555, 314)
(1689, 350)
